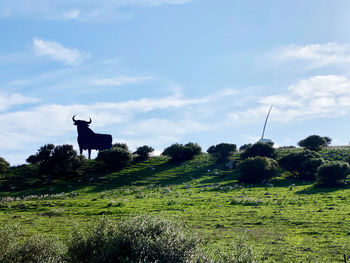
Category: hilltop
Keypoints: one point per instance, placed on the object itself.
(284, 219)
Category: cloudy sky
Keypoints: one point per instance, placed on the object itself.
(157, 72)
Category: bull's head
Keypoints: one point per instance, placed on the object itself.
(80, 122)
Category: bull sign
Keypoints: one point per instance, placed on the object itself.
(88, 140)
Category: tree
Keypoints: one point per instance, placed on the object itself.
(55, 161)
(313, 142)
(302, 165)
(259, 149)
(328, 141)
(244, 147)
(257, 169)
(143, 152)
(331, 173)
(4, 165)
(115, 158)
(222, 151)
(179, 152)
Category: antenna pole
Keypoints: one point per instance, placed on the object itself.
(268, 114)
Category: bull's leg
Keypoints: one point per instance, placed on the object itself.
(89, 152)
(81, 150)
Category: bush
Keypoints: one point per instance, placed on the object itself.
(257, 169)
(313, 142)
(222, 151)
(56, 161)
(302, 165)
(4, 165)
(259, 149)
(121, 145)
(143, 153)
(178, 152)
(332, 173)
(140, 239)
(244, 147)
(35, 249)
(115, 158)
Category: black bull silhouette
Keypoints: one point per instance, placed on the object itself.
(88, 140)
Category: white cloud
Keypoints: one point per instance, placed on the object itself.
(316, 97)
(48, 121)
(72, 14)
(118, 81)
(9, 100)
(83, 11)
(316, 55)
(57, 52)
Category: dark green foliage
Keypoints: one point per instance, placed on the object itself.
(257, 169)
(244, 147)
(332, 173)
(115, 158)
(328, 141)
(4, 165)
(140, 239)
(65, 161)
(222, 151)
(143, 152)
(121, 145)
(59, 161)
(302, 165)
(179, 152)
(313, 142)
(259, 149)
(35, 249)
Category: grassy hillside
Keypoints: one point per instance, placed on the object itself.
(285, 220)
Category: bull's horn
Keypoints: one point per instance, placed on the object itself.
(90, 120)
(73, 118)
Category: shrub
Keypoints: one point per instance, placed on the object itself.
(313, 142)
(179, 152)
(115, 158)
(222, 151)
(56, 161)
(244, 147)
(121, 145)
(259, 149)
(257, 169)
(35, 249)
(302, 165)
(65, 161)
(140, 239)
(332, 173)
(4, 165)
(143, 152)
(239, 252)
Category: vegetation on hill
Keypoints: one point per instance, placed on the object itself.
(284, 217)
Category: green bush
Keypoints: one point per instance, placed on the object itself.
(302, 165)
(35, 249)
(140, 239)
(257, 169)
(178, 152)
(56, 161)
(222, 151)
(259, 149)
(143, 152)
(332, 173)
(115, 158)
(121, 145)
(4, 165)
(314, 142)
(244, 147)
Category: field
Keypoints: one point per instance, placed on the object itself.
(285, 220)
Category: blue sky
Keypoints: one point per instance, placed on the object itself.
(157, 72)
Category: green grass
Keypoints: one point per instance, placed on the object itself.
(285, 220)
